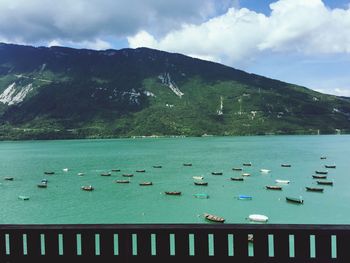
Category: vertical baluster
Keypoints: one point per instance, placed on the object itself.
(323, 245)
(2, 244)
(107, 243)
(181, 244)
(201, 244)
(33, 243)
(143, 244)
(70, 243)
(240, 245)
(51, 243)
(261, 248)
(343, 245)
(16, 243)
(281, 245)
(124, 245)
(162, 244)
(220, 244)
(88, 243)
(302, 245)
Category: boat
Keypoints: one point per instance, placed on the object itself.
(258, 218)
(214, 218)
(330, 166)
(8, 178)
(201, 183)
(23, 197)
(273, 187)
(247, 164)
(80, 174)
(187, 164)
(49, 172)
(87, 188)
(237, 169)
(146, 183)
(115, 170)
(298, 200)
(323, 157)
(321, 172)
(314, 189)
(265, 170)
(237, 179)
(201, 196)
(140, 171)
(42, 185)
(157, 166)
(285, 165)
(282, 181)
(319, 176)
(246, 174)
(106, 174)
(65, 169)
(325, 182)
(128, 175)
(198, 177)
(216, 173)
(122, 181)
(173, 193)
(244, 197)
(45, 181)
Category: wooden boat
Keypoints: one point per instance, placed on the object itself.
(258, 218)
(87, 188)
(128, 175)
(23, 197)
(246, 174)
(319, 176)
(282, 181)
(140, 171)
(330, 166)
(187, 164)
(145, 183)
(122, 181)
(157, 166)
(8, 178)
(201, 183)
(214, 218)
(201, 196)
(106, 174)
(325, 182)
(265, 171)
(115, 170)
(273, 187)
(314, 189)
(285, 165)
(237, 169)
(198, 177)
(49, 172)
(323, 157)
(244, 197)
(297, 200)
(173, 193)
(321, 172)
(42, 185)
(216, 173)
(247, 164)
(237, 178)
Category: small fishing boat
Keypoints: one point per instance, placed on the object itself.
(244, 197)
(246, 174)
(216, 173)
(258, 218)
(285, 165)
(323, 157)
(198, 177)
(187, 164)
(49, 172)
(106, 174)
(330, 166)
(65, 169)
(8, 178)
(237, 179)
(265, 171)
(214, 218)
(146, 184)
(45, 181)
(87, 188)
(115, 170)
(314, 189)
(247, 164)
(201, 196)
(273, 187)
(237, 169)
(128, 175)
(122, 181)
(173, 193)
(201, 183)
(23, 197)
(141, 171)
(321, 172)
(282, 181)
(80, 174)
(157, 166)
(298, 200)
(319, 176)
(42, 185)
(325, 182)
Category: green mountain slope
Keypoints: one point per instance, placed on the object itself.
(58, 92)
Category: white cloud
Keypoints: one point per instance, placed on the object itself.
(237, 36)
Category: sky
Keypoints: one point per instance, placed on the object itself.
(305, 42)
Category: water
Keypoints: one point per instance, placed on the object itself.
(64, 202)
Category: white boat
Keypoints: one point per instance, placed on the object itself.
(258, 218)
(65, 169)
(198, 177)
(80, 174)
(23, 197)
(282, 181)
(265, 170)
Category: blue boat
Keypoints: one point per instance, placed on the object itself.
(245, 197)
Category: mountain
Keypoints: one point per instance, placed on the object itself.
(58, 92)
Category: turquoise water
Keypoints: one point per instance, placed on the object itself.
(64, 202)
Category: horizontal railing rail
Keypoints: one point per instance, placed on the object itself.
(173, 242)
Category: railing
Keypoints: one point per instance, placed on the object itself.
(172, 243)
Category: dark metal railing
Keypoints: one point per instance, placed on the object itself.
(171, 243)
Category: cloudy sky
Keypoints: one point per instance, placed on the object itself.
(306, 42)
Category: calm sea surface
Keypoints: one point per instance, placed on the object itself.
(63, 201)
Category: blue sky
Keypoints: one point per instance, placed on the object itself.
(306, 42)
